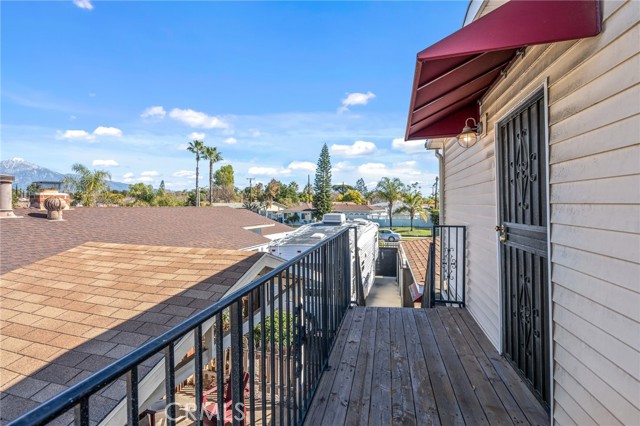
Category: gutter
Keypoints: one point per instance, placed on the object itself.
(441, 189)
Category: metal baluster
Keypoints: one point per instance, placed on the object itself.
(170, 383)
(280, 355)
(263, 351)
(290, 333)
(197, 347)
(300, 367)
(236, 378)
(81, 411)
(220, 368)
(463, 264)
(252, 361)
(132, 397)
(272, 339)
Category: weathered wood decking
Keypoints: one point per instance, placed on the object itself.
(407, 366)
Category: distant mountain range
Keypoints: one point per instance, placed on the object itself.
(26, 173)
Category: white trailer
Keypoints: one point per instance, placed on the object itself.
(307, 236)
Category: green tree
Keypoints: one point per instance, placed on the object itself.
(390, 190)
(288, 194)
(413, 201)
(361, 187)
(271, 192)
(342, 188)
(211, 153)
(322, 200)
(143, 194)
(224, 176)
(352, 196)
(33, 188)
(86, 184)
(307, 194)
(161, 188)
(196, 147)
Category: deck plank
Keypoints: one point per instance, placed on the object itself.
(509, 403)
(424, 400)
(402, 406)
(521, 393)
(380, 408)
(493, 408)
(467, 399)
(448, 408)
(340, 393)
(319, 404)
(360, 398)
(405, 366)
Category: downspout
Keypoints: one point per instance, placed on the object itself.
(441, 175)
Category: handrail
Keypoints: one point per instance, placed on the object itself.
(297, 272)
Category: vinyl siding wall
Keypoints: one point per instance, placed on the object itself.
(594, 156)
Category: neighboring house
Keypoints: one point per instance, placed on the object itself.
(303, 212)
(354, 210)
(273, 212)
(556, 172)
(71, 314)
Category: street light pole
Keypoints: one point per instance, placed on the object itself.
(250, 190)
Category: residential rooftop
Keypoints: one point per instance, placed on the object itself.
(71, 314)
(33, 237)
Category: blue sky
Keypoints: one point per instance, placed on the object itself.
(124, 86)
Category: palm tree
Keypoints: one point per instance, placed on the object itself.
(211, 153)
(196, 147)
(87, 185)
(412, 204)
(390, 190)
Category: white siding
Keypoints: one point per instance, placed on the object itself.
(594, 155)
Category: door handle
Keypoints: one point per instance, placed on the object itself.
(502, 230)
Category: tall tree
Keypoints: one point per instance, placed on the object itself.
(211, 153)
(272, 191)
(390, 190)
(196, 147)
(413, 201)
(224, 176)
(352, 196)
(161, 188)
(142, 193)
(361, 187)
(87, 185)
(322, 200)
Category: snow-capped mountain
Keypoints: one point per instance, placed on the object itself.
(26, 172)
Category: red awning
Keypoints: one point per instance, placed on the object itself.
(453, 74)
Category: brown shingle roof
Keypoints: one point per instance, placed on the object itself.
(69, 315)
(34, 237)
(417, 253)
(301, 207)
(353, 207)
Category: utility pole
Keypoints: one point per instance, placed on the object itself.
(251, 189)
(435, 192)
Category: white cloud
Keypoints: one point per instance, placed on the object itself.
(197, 119)
(189, 174)
(409, 147)
(358, 148)
(107, 131)
(402, 170)
(268, 171)
(182, 147)
(230, 141)
(154, 112)
(150, 173)
(302, 165)
(342, 166)
(127, 175)
(409, 164)
(76, 135)
(355, 98)
(196, 135)
(83, 4)
(105, 163)
(144, 179)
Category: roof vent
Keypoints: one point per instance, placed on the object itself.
(318, 235)
(334, 219)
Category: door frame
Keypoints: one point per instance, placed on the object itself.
(544, 87)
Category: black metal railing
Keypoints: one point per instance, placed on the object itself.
(269, 342)
(446, 264)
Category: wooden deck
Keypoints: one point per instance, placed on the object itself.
(407, 366)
